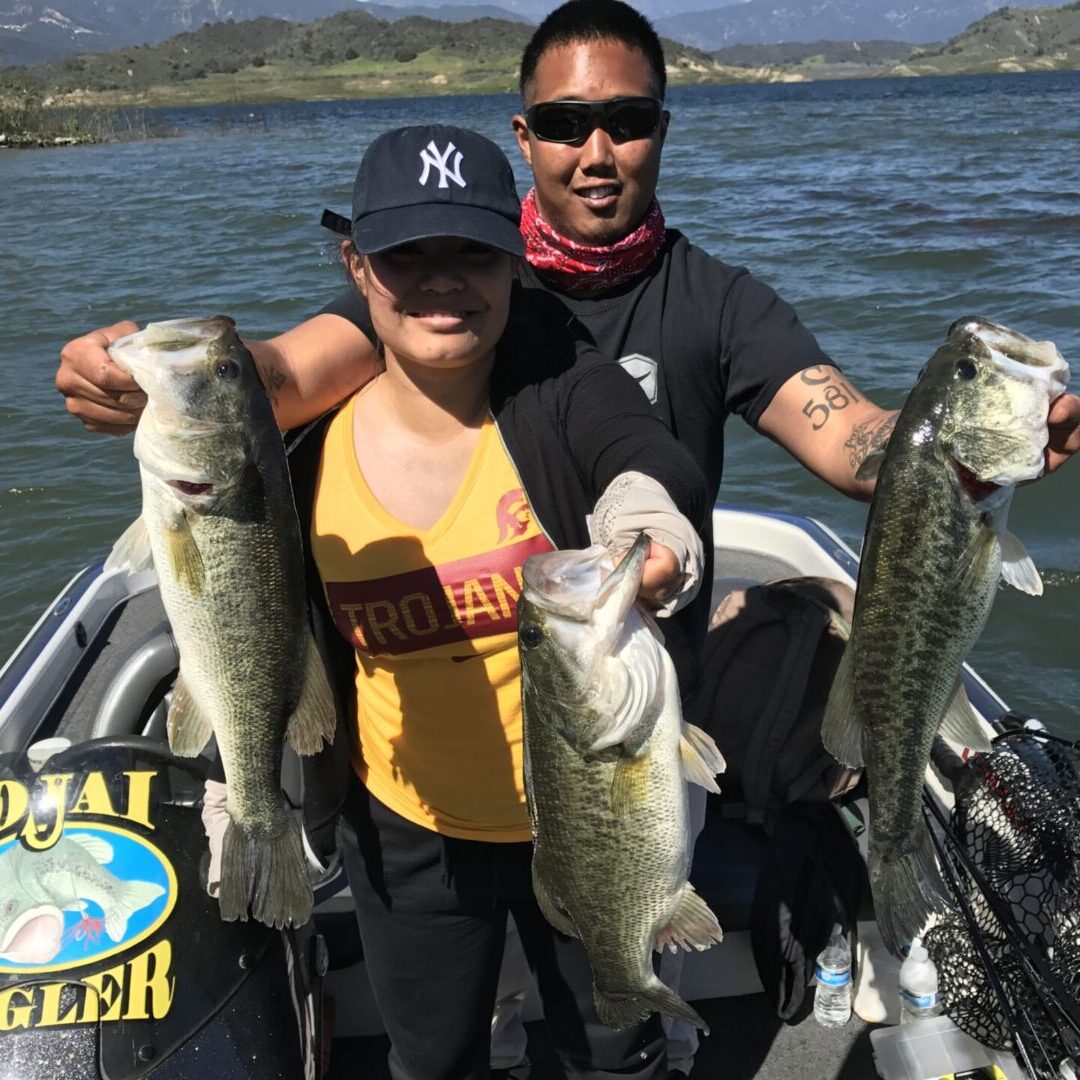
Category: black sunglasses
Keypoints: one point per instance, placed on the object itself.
(623, 118)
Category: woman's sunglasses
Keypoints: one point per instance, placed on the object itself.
(623, 118)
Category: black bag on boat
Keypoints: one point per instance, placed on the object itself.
(767, 666)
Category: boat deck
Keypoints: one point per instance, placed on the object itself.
(748, 1042)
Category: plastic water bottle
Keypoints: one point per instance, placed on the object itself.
(832, 998)
(919, 998)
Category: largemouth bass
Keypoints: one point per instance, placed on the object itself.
(607, 757)
(219, 526)
(38, 886)
(936, 544)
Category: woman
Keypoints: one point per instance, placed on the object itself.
(424, 494)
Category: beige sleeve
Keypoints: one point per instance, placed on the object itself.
(635, 503)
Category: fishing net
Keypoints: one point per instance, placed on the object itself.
(1008, 959)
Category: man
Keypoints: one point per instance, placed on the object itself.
(595, 192)
(703, 339)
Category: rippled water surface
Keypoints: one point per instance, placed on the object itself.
(883, 209)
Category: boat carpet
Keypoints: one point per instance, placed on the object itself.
(748, 1042)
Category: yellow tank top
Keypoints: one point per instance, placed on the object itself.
(432, 615)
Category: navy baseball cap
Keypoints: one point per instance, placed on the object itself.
(434, 180)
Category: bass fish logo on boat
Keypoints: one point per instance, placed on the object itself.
(76, 891)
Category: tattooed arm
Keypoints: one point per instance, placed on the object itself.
(305, 371)
(311, 367)
(829, 426)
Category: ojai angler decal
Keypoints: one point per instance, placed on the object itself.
(75, 892)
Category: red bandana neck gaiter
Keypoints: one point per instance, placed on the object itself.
(582, 268)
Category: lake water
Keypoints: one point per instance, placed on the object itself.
(883, 209)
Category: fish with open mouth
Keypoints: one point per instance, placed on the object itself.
(936, 545)
(607, 760)
(37, 887)
(220, 528)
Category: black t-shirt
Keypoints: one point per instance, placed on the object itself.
(702, 339)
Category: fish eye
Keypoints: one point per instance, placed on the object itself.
(227, 370)
(531, 636)
(965, 369)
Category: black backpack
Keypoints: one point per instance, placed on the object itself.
(768, 664)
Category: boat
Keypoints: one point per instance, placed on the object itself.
(90, 686)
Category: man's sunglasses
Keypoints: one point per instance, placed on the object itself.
(623, 118)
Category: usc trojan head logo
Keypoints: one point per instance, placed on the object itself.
(512, 515)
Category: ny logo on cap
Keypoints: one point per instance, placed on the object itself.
(431, 158)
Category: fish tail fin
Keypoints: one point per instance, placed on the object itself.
(267, 873)
(621, 1010)
(314, 720)
(907, 888)
(131, 896)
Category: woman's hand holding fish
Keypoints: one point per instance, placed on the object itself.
(1064, 424)
(663, 576)
(97, 392)
(632, 504)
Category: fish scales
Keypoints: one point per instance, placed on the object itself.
(613, 872)
(220, 528)
(919, 611)
(607, 756)
(251, 691)
(972, 428)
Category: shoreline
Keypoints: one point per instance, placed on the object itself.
(83, 117)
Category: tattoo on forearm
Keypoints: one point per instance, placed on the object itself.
(273, 379)
(869, 437)
(831, 393)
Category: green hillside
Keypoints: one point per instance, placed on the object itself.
(789, 53)
(355, 55)
(348, 55)
(1007, 40)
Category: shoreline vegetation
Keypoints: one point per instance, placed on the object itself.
(27, 123)
(106, 97)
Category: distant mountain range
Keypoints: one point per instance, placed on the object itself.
(763, 22)
(33, 31)
(352, 54)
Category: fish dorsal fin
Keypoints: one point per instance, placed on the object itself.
(131, 552)
(961, 723)
(841, 730)
(100, 850)
(871, 465)
(692, 926)
(553, 911)
(314, 720)
(187, 726)
(1017, 568)
(701, 758)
